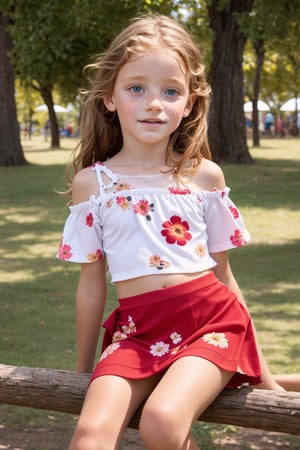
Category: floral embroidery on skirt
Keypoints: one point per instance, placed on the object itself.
(148, 332)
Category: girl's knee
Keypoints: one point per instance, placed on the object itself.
(160, 428)
(92, 437)
(84, 439)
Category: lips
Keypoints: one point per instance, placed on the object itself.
(151, 121)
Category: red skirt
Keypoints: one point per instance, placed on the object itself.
(202, 317)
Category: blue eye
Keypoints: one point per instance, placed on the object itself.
(172, 92)
(136, 89)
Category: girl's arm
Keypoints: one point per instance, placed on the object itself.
(90, 303)
(92, 287)
(224, 274)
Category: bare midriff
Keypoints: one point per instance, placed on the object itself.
(140, 285)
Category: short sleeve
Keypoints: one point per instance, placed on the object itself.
(81, 241)
(225, 225)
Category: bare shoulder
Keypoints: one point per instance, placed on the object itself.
(210, 175)
(84, 185)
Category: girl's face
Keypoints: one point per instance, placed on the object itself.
(151, 96)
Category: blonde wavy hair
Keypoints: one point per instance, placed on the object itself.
(100, 131)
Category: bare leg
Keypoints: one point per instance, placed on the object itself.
(289, 382)
(109, 405)
(184, 392)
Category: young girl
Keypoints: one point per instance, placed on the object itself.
(150, 205)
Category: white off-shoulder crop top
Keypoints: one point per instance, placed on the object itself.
(150, 224)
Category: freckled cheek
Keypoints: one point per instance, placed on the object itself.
(175, 116)
(127, 106)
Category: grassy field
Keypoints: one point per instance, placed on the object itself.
(37, 292)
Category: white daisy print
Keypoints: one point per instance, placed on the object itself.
(175, 350)
(159, 349)
(130, 328)
(109, 350)
(118, 336)
(176, 337)
(216, 339)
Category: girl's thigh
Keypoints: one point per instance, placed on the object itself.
(111, 401)
(187, 388)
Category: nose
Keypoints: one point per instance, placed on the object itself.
(154, 102)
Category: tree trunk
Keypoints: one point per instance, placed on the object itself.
(11, 152)
(47, 97)
(64, 391)
(260, 54)
(227, 130)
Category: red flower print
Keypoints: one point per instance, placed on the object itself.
(234, 211)
(89, 220)
(64, 251)
(143, 207)
(237, 239)
(93, 257)
(176, 231)
(178, 191)
(123, 202)
(216, 190)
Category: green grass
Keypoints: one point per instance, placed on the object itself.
(37, 291)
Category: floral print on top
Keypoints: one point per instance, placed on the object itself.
(150, 223)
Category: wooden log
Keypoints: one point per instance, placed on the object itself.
(61, 390)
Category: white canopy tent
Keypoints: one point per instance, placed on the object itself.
(290, 105)
(57, 108)
(261, 106)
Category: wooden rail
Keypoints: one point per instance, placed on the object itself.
(61, 390)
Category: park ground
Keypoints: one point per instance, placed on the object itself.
(44, 438)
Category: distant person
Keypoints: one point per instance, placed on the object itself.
(269, 121)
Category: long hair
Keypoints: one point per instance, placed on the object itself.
(100, 131)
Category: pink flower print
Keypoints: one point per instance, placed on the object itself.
(237, 238)
(64, 251)
(94, 257)
(234, 212)
(178, 191)
(156, 261)
(123, 202)
(143, 207)
(176, 231)
(89, 220)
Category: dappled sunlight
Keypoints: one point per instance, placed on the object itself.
(276, 149)
(13, 274)
(38, 151)
(21, 218)
(276, 226)
(281, 287)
